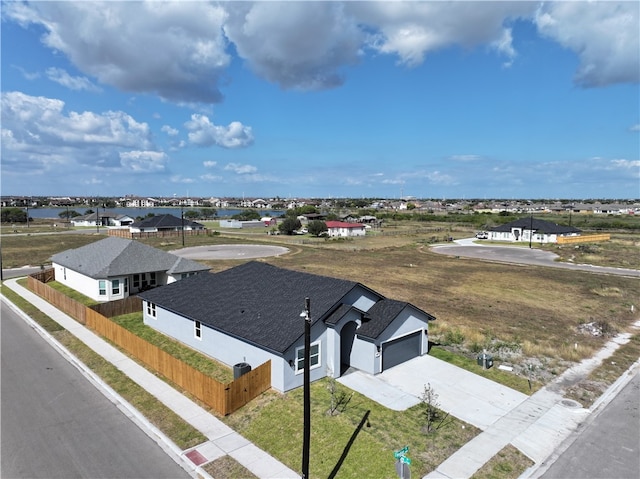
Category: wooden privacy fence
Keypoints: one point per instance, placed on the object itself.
(64, 303)
(125, 233)
(223, 398)
(128, 305)
(584, 238)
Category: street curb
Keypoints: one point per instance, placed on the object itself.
(166, 444)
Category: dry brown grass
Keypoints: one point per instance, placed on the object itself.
(508, 463)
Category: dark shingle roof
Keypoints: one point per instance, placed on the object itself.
(255, 301)
(165, 222)
(540, 226)
(380, 315)
(116, 256)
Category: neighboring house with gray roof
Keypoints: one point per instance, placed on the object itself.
(253, 313)
(530, 229)
(114, 268)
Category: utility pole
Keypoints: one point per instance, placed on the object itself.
(530, 228)
(182, 218)
(306, 438)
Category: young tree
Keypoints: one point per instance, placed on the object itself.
(289, 225)
(14, 215)
(208, 212)
(191, 214)
(317, 227)
(68, 214)
(247, 215)
(429, 407)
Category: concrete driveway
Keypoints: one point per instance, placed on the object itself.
(230, 251)
(463, 394)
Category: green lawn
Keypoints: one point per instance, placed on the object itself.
(274, 423)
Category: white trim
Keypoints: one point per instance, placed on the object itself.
(299, 359)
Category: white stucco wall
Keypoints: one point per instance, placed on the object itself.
(86, 285)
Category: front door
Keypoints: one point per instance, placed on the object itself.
(347, 336)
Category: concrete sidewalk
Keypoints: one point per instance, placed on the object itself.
(222, 439)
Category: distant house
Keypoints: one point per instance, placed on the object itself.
(531, 229)
(115, 268)
(102, 218)
(239, 224)
(164, 223)
(252, 313)
(344, 229)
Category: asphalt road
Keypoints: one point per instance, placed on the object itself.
(56, 424)
(522, 255)
(609, 447)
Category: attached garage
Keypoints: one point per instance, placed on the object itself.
(400, 350)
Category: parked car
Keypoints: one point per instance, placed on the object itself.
(482, 235)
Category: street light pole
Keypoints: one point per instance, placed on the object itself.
(306, 438)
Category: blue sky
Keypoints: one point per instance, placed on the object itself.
(322, 99)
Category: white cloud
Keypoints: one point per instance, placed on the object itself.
(465, 158)
(27, 75)
(626, 164)
(169, 130)
(211, 178)
(143, 161)
(38, 133)
(605, 35)
(413, 29)
(635, 127)
(240, 169)
(209, 163)
(204, 133)
(181, 179)
(299, 45)
(173, 49)
(60, 76)
(181, 48)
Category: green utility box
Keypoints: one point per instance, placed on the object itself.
(485, 360)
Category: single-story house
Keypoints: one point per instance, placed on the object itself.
(164, 223)
(531, 229)
(114, 268)
(344, 229)
(103, 218)
(255, 312)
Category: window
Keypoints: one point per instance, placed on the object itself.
(314, 357)
(126, 285)
(102, 287)
(198, 329)
(151, 309)
(64, 272)
(136, 281)
(152, 281)
(115, 287)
